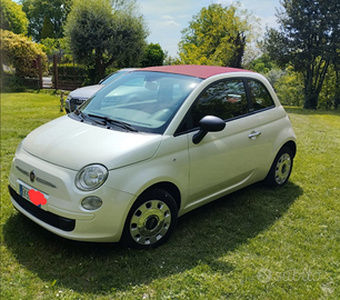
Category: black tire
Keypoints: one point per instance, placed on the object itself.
(151, 220)
(281, 168)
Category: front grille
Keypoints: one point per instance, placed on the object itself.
(43, 181)
(74, 103)
(45, 216)
(23, 171)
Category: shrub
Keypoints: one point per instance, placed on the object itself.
(329, 94)
(71, 72)
(10, 83)
(20, 52)
(289, 89)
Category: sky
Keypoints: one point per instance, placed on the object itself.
(167, 18)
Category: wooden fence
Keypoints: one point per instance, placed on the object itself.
(69, 84)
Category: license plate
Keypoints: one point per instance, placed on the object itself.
(38, 198)
(24, 192)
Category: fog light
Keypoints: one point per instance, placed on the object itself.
(91, 203)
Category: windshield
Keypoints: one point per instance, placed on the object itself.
(112, 76)
(145, 100)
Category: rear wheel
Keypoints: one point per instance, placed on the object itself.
(281, 168)
(151, 220)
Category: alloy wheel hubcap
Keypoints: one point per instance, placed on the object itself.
(282, 169)
(150, 222)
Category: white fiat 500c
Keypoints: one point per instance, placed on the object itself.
(148, 148)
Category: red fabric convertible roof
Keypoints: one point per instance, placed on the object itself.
(193, 70)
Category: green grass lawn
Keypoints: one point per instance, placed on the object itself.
(254, 244)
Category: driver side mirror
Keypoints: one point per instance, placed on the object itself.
(208, 124)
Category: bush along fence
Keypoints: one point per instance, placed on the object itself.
(12, 82)
(64, 76)
(67, 76)
(35, 82)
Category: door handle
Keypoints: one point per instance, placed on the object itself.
(254, 134)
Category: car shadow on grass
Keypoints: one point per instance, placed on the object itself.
(202, 237)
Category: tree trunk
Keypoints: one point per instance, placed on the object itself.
(240, 43)
(337, 89)
(100, 69)
(314, 79)
(311, 100)
(311, 96)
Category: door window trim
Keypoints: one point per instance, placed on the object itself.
(250, 100)
(250, 112)
(179, 132)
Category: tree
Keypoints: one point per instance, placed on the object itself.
(336, 70)
(288, 86)
(20, 52)
(12, 17)
(47, 30)
(217, 35)
(56, 46)
(153, 56)
(103, 37)
(308, 39)
(38, 11)
(262, 64)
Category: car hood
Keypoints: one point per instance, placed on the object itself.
(73, 145)
(86, 91)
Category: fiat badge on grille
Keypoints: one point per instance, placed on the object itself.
(32, 176)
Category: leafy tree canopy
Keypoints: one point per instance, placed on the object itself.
(308, 39)
(262, 64)
(102, 36)
(217, 35)
(12, 17)
(38, 11)
(153, 56)
(55, 46)
(47, 30)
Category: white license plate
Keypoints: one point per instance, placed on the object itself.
(24, 192)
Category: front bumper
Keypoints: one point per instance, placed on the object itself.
(63, 213)
(72, 104)
(49, 218)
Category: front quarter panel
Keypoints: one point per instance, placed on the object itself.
(64, 200)
(170, 164)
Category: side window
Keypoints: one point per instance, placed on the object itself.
(224, 99)
(259, 95)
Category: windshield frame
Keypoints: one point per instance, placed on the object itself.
(112, 76)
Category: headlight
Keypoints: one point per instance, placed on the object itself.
(91, 177)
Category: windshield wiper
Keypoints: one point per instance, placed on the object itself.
(118, 123)
(80, 113)
(85, 116)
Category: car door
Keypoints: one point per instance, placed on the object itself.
(227, 159)
(270, 117)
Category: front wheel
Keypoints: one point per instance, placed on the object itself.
(281, 169)
(151, 220)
